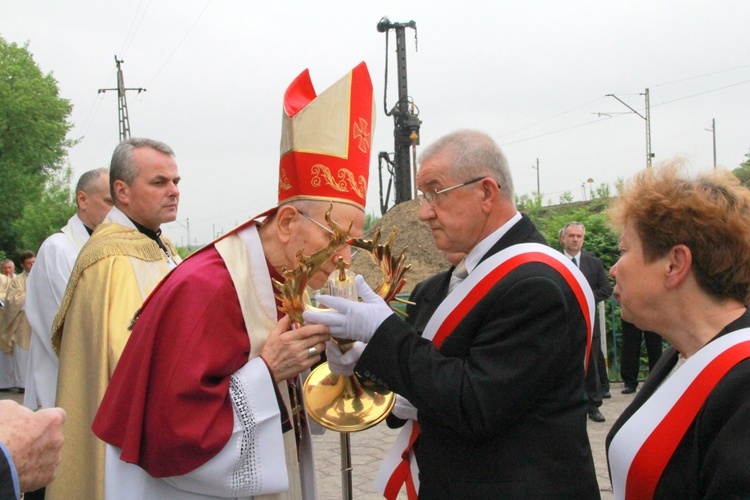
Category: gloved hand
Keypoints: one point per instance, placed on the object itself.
(343, 363)
(403, 409)
(349, 319)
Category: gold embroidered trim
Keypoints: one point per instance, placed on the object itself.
(284, 183)
(322, 174)
(112, 240)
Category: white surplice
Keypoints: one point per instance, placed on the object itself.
(44, 292)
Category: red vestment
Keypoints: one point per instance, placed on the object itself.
(169, 396)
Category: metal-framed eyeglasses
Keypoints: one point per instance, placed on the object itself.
(320, 225)
(325, 228)
(431, 196)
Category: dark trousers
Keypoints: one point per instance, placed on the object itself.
(630, 358)
(593, 380)
(601, 366)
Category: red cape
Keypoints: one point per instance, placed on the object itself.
(169, 395)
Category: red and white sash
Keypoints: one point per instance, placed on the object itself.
(400, 466)
(641, 449)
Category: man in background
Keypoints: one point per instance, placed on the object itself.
(630, 354)
(7, 269)
(7, 273)
(48, 280)
(115, 271)
(16, 331)
(572, 239)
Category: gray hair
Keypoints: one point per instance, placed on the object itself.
(472, 154)
(564, 229)
(123, 165)
(87, 180)
(6, 261)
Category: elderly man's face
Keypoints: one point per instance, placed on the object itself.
(8, 269)
(455, 217)
(310, 237)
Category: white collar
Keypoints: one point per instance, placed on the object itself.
(475, 255)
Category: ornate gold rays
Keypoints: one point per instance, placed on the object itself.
(392, 268)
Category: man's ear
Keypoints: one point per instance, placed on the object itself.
(122, 192)
(679, 264)
(82, 200)
(490, 192)
(284, 222)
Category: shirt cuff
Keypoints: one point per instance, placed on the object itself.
(13, 471)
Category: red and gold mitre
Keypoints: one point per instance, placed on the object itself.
(326, 139)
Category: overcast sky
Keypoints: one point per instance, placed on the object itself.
(532, 74)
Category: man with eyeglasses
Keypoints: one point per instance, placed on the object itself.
(206, 399)
(492, 391)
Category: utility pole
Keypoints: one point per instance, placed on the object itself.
(405, 119)
(538, 189)
(122, 103)
(713, 131)
(649, 154)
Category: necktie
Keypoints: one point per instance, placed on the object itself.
(575, 262)
(459, 274)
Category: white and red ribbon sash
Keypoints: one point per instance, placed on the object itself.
(400, 466)
(642, 448)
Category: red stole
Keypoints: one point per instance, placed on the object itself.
(399, 466)
(642, 448)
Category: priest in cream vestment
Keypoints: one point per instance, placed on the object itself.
(15, 331)
(7, 273)
(124, 260)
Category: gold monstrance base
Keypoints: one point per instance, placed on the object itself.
(345, 404)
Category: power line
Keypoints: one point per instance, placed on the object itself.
(637, 90)
(556, 131)
(702, 76)
(701, 93)
(184, 37)
(564, 129)
(128, 38)
(551, 117)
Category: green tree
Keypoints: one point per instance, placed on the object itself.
(33, 145)
(566, 197)
(48, 214)
(743, 171)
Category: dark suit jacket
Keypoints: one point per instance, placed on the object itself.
(427, 296)
(501, 403)
(713, 459)
(593, 269)
(7, 488)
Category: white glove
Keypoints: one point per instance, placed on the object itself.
(403, 409)
(343, 363)
(349, 319)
